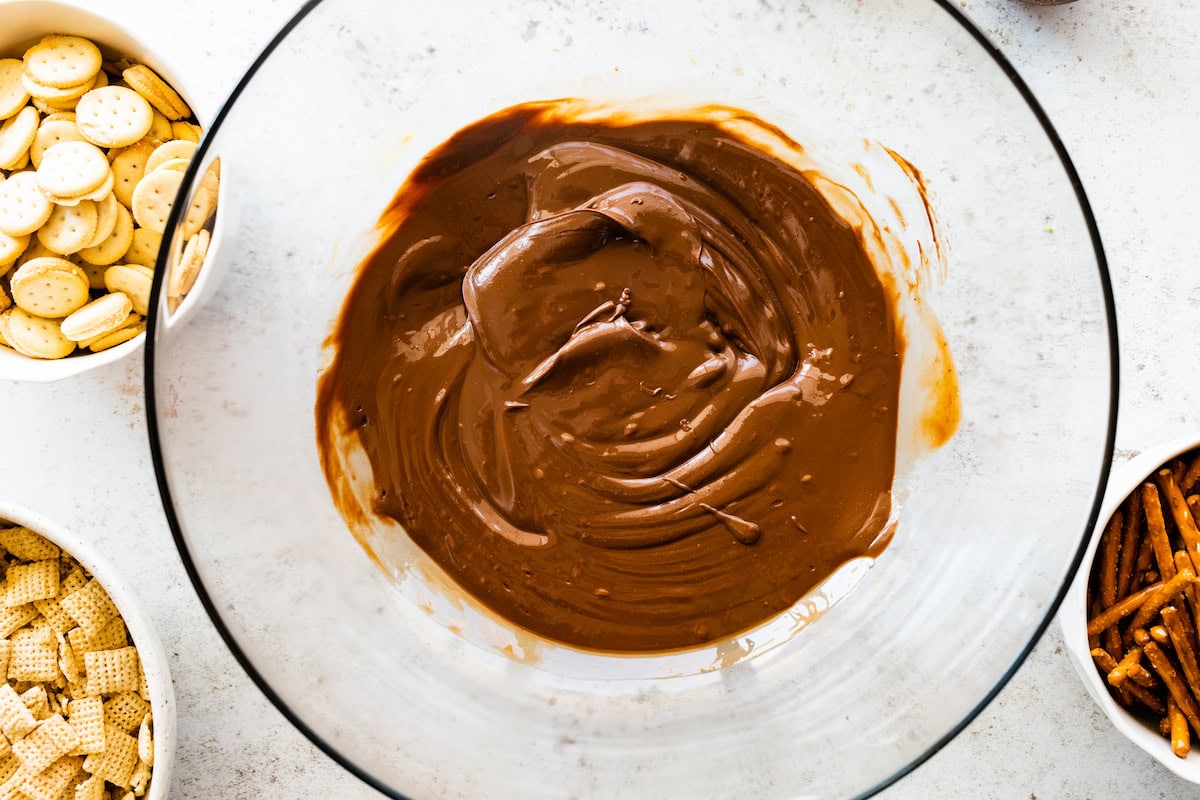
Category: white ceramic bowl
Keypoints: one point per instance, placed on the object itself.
(22, 23)
(1073, 615)
(150, 649)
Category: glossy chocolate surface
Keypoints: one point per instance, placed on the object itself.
(632, 384)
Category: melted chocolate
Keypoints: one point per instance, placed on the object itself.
(632, 384)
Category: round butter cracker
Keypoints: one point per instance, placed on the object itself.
(60, 61)
(133, 320)
(144, 250)
(170, 151)
(128, 168)
(49, 287)
(200, 210)
(72, 169)
(11, 248)
(16, 136)
(185, 131)
(165, 100)
(160, 128)
(119, 336)
(174, 165)
(23, 206)
(36, 250)
(53, 130)
(48, 109)
(13, 96)
(184, 275)
(100, 192)
(70, 228)
(96, 195)
(154, 197)
(133, 281)
(113, 116)
(52, 98)
(112, 249)
(102, 315)
(95, 274)
(36, 336)
(212, 177)
(106, 219)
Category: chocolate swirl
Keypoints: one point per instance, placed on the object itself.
(632, 384)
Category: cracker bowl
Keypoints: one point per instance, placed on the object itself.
(98, 620)
(363, 640)
(52, 290)
(1075, 613)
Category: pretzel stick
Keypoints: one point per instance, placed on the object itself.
(1129, 691)
(1159, 634)
(1112, 639)
(1109, 544)
(1156, 530)
(1193, 504)
(1118, 674)
(1177, 689)
(1164, 724)
(1181, 739)
(1182, 562)
(1142, 677)
(1182, 516)
(1192, 476)
(1114, 614)
(1177, 469)
(1189, 629)
(1145, 697)
(1106, 664)
(1185, 649)
(1103, 660)
(1166, 593)
(1109, 548)
(1145, 557)
(1129, 544)
(1130, 668)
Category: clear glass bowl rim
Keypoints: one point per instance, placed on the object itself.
(156, 451)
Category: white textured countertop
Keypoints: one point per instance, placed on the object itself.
(1118, 79)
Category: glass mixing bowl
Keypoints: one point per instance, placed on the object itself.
(400, 680)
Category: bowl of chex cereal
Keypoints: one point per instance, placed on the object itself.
(95, 139)
(86, 708)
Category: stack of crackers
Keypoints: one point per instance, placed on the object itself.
(92, 155)
(75, 718)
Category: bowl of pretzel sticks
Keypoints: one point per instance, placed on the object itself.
(1131, 617)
